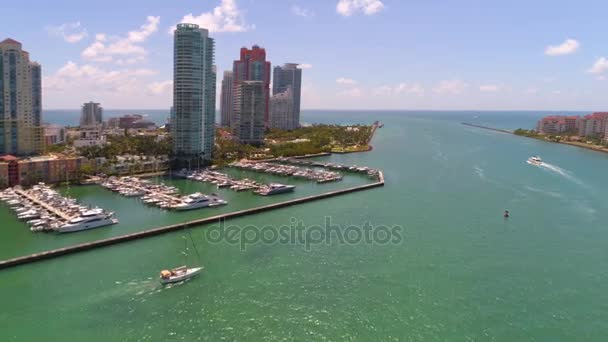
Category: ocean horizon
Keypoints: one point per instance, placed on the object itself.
(160, 117)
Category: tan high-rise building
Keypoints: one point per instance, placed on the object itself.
(21, 131)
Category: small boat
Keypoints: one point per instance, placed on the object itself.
(181, 273)
(534, 160)
(178, 274)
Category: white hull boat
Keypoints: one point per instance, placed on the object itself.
(178, 274)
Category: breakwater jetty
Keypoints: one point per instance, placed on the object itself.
(176, 227)
(488, 128)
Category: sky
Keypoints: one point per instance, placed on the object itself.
(355, 54)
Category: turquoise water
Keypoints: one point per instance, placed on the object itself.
(461, 273)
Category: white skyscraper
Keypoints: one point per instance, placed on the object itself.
(193, 116)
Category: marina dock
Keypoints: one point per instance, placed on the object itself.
(337, 167)
(177, 227)
(160, 195)
(319, 176)
(50, 208)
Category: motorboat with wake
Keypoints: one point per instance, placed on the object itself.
(534, 160)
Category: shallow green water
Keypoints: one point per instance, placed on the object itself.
(462, 273)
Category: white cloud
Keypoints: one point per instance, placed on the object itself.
(383, 90)
(70, 32)
(104, 48)
(599, 67)
(489, 88)
(400, 89)
(115, 87)
(352, 92)
(346, 81)
(349, 7)
(227, 17)
(406, 88)
(532, 90)
(130, 60)
(74, 76)
(453, 87)
(601, 78)
(162, 87)
(305, 66)
(301, 12)
(567, 47)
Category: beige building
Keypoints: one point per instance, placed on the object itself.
(21, 131)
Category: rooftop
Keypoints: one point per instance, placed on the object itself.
(10, 41)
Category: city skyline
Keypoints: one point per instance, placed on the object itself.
(407, 55)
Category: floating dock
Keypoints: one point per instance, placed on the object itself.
(51, 209)
(176, 227)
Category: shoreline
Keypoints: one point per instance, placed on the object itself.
(571, 143)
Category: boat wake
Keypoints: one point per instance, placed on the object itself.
(480, 172)
(564, 173)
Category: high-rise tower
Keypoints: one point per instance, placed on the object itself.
(227, 99)
(193, 126)
(21, 130)
(252, 66)
(286, 77)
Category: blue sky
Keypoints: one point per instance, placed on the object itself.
(357, 54)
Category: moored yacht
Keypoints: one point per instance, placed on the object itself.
(198, 200)
(275, 188)
(89, 219)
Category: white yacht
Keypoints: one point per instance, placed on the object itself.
(275, 188)
(198, 200)
(178, 274)
(89, 219)
(534, 160)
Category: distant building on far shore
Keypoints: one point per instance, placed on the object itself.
(227, 96)
(592, 125)
(54, 134)
(556, 124)
(249, 112)
(92, 114)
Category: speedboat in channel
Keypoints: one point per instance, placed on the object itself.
(534, 160)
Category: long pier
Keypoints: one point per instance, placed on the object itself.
(180, 226)
(486, 127)
(44, 205)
